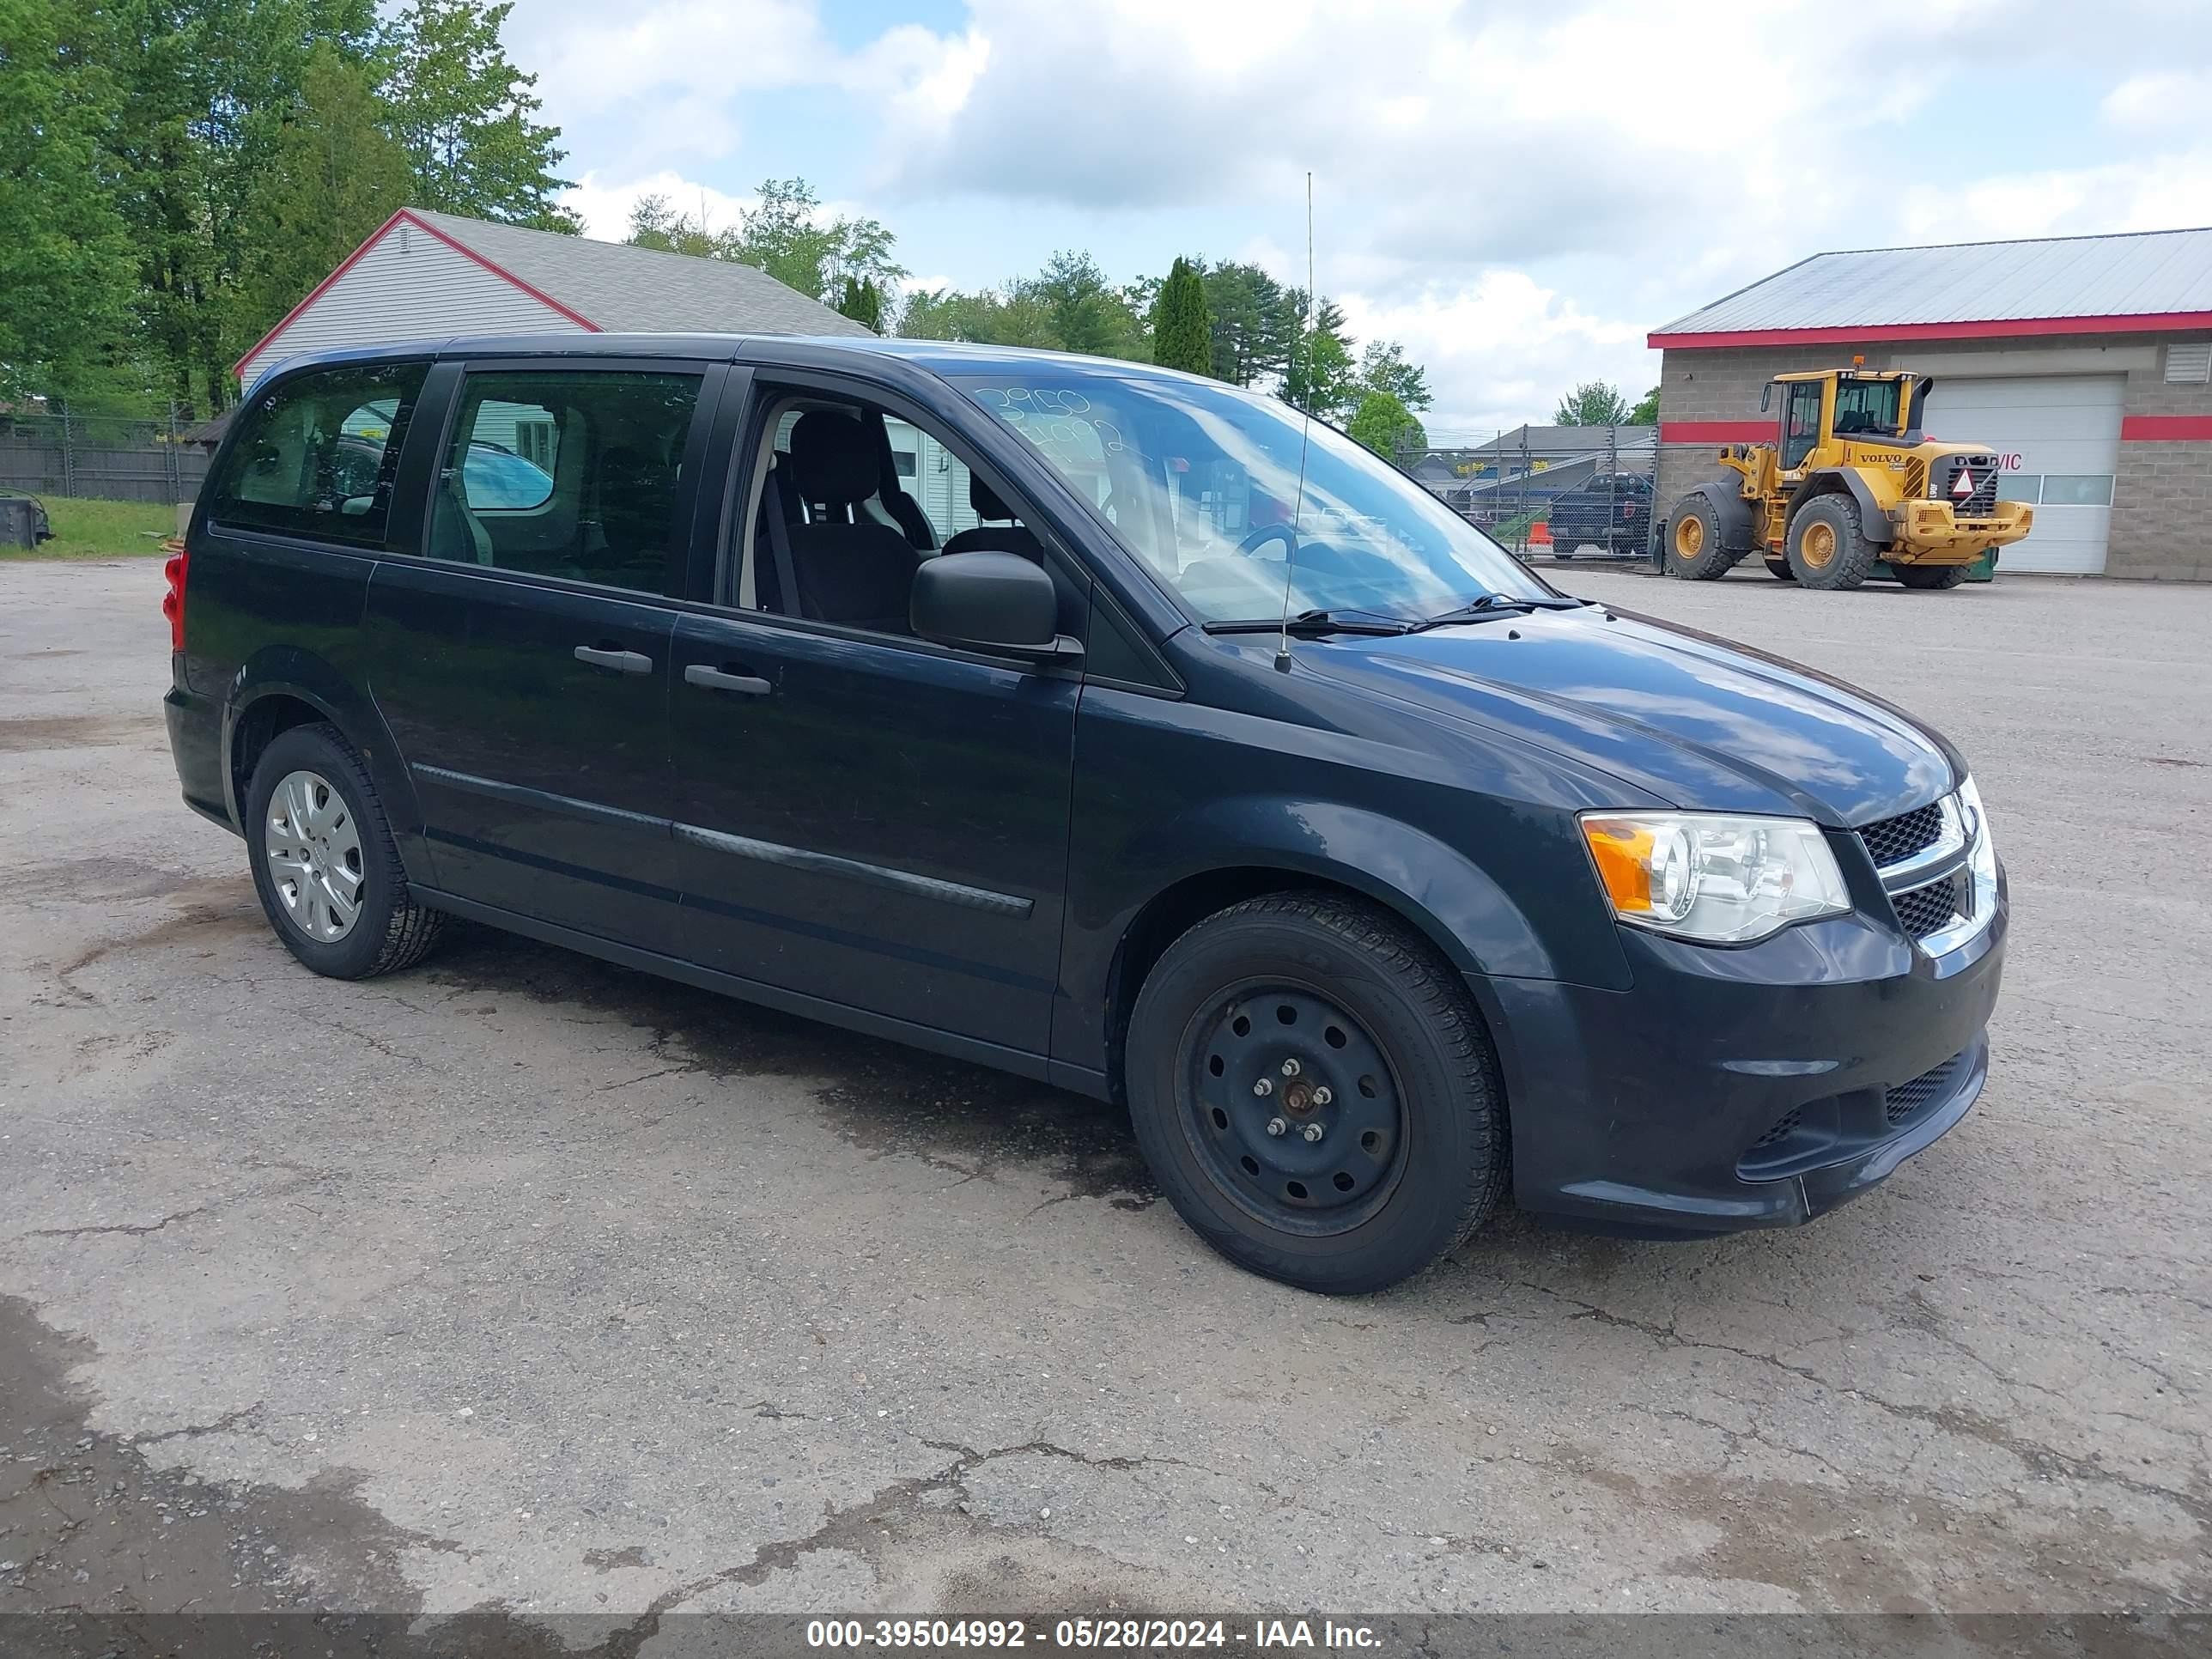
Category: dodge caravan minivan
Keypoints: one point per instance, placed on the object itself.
(1110, 724)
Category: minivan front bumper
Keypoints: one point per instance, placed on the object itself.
(1753, 1087)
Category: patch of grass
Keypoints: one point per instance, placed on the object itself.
(88, 529)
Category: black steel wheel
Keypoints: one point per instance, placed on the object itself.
(1292, 1108)
(1316, 1092)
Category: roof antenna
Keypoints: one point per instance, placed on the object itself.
(1305, 431)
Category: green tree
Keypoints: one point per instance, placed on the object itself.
(862, 301)
(466, 116)
(1182, 331)
(1384, 367)
(1087, 314)
(786, 236)
(1385, 425)
(1255, 323)
(65, 261)
(1646, 412)
(333, 178)
(1593, 402)
(655, 223)
(1322, 375)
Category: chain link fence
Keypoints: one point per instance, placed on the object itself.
(109, 457)
(1561, 492)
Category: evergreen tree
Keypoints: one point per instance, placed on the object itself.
(1182, 331)
(334, 178)
(862, 301)
(1322, 376)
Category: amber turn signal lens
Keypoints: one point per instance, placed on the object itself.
(1623, 853)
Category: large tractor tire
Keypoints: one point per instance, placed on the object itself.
(1827, 549)
(1693, 545)
(1931, 575)
(1780, 571)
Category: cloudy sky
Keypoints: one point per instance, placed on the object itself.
(1518, 191)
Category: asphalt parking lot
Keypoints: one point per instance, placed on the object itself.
(525, 1283)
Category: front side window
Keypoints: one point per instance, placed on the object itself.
(1801, 425)
(1202, 483)
(315, 457)
(567, 472)
(1867, 408)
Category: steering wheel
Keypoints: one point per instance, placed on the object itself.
(1270, 532)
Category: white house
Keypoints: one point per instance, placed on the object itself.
(425, 275)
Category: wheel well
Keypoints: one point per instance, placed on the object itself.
(1175, 910)
(257, 728)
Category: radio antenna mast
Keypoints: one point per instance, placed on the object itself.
(1305, 432)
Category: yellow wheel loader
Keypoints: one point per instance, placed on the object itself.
(1850, 489)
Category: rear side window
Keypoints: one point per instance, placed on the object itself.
(568, 472)
(315, 457)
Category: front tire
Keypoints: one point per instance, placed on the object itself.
(1693, 541)
(1827, 548)
(1314, 1090)
(1931, 575)
(326, 868)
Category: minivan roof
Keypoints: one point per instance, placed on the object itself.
(949, 358)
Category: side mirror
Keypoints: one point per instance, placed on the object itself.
(990, 601)
(1765, 397)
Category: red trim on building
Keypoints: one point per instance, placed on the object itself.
(1715, 432)
(410, 216)
(2166, 428)
(2154, 322)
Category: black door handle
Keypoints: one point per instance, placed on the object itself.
(622, 662)
(715, 680)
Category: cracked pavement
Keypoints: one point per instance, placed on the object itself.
(528, 1285)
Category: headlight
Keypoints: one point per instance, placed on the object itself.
(1719, 879)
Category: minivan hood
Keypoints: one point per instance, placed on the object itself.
(1693, 720)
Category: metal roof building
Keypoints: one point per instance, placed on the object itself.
(2085, 362)
(423, 275)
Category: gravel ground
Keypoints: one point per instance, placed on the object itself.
(530, 1285)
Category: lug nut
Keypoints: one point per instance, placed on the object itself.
(1291, 1067)
(1322, 1096)
(1276, 1126)
(1313, 1131)
(1264, 1086)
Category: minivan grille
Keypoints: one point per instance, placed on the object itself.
(1906, 1098)
(1930, 909)
(1893, 841)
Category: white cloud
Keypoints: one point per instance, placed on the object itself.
(2167, 99)
(2156, 193)
(1516, 193)
(604, 206)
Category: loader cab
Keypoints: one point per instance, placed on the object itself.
(1848, 405)
(1801, 422)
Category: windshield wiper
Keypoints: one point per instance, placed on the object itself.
(1497, 604)
(1311, 624)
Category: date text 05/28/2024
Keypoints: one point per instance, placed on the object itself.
(1143, 1634)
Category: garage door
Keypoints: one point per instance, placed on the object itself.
(2059, 439)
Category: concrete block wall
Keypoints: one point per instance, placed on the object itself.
(2161, 523)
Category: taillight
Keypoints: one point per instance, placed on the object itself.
(172, 602)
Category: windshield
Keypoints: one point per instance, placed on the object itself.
(1867, 408)
(1201, 483)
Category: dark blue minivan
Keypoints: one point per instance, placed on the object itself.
(1101, 723)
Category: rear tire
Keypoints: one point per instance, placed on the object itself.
(1931, 575)
(323, 846)
(1386, 1058)
(1826, 548)
(1693, 542)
